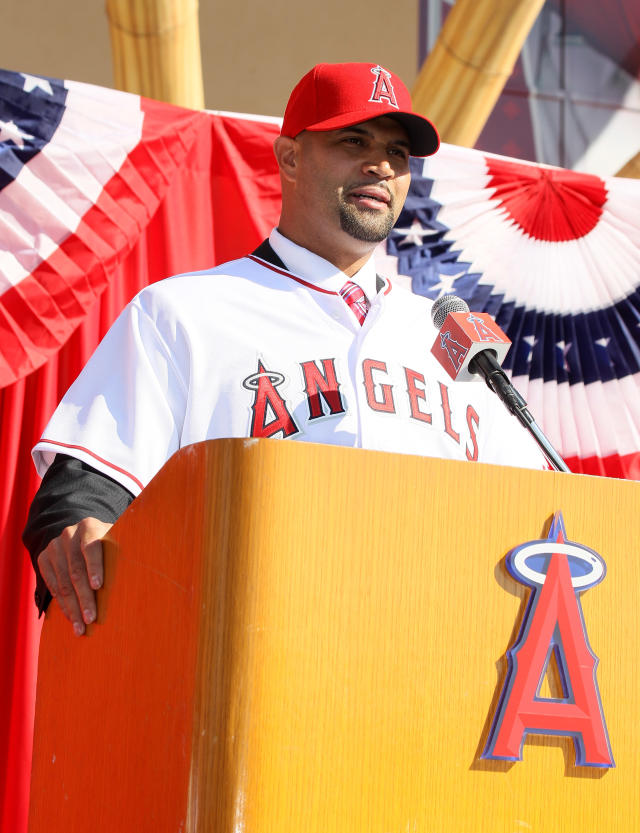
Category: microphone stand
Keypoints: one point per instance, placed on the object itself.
(486, 365)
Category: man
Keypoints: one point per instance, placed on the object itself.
(282, 343)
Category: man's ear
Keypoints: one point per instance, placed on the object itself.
(286, 150)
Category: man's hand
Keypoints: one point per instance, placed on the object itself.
(72, 568)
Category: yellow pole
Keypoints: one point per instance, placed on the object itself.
(156, 49)
(632, 168)
(474, 54)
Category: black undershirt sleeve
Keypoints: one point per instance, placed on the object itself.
(70, 491)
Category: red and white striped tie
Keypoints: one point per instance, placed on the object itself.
(356, 300)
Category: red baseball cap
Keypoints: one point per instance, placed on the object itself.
(331, 96)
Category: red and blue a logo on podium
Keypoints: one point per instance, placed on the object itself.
(553, 628)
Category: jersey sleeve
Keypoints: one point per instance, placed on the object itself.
(123, 415)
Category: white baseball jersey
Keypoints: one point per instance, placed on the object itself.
(251, 350)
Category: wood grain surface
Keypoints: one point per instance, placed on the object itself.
(295, 636)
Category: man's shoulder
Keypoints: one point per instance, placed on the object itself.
(407, 302)
(208, 280)
(239, 267)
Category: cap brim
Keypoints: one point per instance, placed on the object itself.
(423, 137)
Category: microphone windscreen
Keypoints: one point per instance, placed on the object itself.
(444, 305)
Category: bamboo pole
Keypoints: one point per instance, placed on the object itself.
(464, 74)
(155, 46)
(632, 168)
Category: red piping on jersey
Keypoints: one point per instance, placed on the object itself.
(267, 265)
(290, 275)
(91, 454)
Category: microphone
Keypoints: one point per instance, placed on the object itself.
(471, 344)
(463, 336)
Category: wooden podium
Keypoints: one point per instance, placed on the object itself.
(294, 637)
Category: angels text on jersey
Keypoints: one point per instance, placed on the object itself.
(282, 404)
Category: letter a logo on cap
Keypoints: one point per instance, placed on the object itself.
(382, 87)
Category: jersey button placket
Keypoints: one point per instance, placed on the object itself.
(365, 348)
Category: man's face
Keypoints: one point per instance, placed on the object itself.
(354, 179)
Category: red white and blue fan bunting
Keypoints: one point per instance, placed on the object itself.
(554, 255)
(82, 171)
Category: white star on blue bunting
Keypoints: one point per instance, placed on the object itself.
(10, 132)
(34, 82)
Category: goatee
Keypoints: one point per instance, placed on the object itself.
(369, 226)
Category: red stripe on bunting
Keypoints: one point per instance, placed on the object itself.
(38, 315)
(547, 203)
(624, 466)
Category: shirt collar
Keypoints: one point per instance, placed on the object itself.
(317, 270)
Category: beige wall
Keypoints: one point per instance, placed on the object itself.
(59, 38)
(253, 51)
